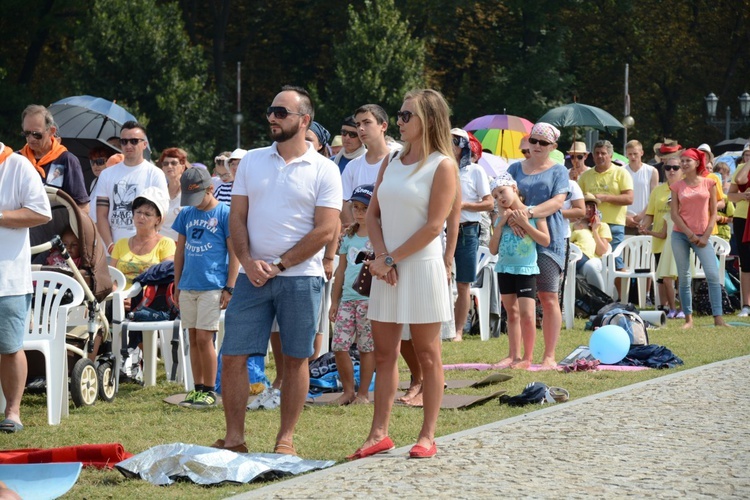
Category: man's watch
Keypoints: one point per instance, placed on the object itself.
(389, 261)
(229, 290)
(277, 262)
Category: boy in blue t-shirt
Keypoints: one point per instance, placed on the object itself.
(204, 276)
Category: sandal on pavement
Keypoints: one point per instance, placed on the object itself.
(285, 448)
(239, 448)
(385, 444)
(418, 451)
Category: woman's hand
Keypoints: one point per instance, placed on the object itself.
(703, 240)
(332, 312)
(448, 267)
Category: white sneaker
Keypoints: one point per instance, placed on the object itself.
(269, 399)
(745, 312)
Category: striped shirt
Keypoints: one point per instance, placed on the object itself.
(224, 192)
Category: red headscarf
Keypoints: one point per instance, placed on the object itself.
(475, 145)
(700, 157)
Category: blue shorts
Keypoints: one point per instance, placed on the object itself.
(618, 234)
(466, 253)
(294, 301)
(14, 309)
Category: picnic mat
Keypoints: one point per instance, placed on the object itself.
(40, 481)
(536, 368)
(92, 455)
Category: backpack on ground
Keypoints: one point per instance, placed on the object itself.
(156, 304)
(702, 301)
(628, 319)
(589, 299)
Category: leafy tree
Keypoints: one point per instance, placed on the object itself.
(137, 53)
(377, 61)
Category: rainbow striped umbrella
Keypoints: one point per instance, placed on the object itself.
(501, 134)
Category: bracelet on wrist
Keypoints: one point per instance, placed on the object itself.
(229, 290)
(325, 257)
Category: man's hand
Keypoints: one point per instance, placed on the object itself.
(258, 271)
(328, 268)
(225, 298)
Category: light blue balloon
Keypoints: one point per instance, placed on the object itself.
(609, 344)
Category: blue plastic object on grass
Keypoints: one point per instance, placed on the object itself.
(40, 481)
(609, 344)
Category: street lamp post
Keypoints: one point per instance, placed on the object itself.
(729, 125)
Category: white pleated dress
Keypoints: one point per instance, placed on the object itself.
(420, 295)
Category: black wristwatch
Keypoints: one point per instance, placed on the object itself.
(229, 290)
(277, 263)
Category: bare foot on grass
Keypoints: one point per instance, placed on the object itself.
(413, 390)
(415, 401)
(360, 400)
(548, 364)
(343, 400)
(521, 365)
(719, 321)
(688, 325)
(505, 363)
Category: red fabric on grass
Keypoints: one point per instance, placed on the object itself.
(92, 455)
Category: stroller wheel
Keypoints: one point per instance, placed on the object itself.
(106, 382)
(84, 385)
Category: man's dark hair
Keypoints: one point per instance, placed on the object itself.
(305, 105)
(378, 112)
(131, 124)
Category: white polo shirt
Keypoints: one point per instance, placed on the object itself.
(20, 187)
(282, 199)
(474, 186)
(359, 172)
(575, 194)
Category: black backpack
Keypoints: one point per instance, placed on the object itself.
(589, 299)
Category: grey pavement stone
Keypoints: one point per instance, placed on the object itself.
(682, 435)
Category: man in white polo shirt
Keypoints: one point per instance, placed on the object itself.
(286, 202)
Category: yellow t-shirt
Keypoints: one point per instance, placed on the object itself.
(658, 208)
(740, 208)
(614, 181)
(132, 265)
(584, 239)
(719, 196)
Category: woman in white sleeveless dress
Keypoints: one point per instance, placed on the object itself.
(412, 199)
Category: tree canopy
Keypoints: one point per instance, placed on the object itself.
(173, 63)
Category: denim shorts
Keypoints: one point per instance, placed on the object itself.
(14, 309)
(618, 235)
(466, 253)
(293, 300)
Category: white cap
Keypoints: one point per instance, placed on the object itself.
(705, 147)
(238, 153)
(460, 133)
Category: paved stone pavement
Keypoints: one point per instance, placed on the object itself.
(683, 435)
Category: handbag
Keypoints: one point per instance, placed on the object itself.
(363, 283)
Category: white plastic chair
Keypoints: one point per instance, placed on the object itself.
(569, 294)
(722, 249)
(639, 263)
(151, 329)
(49, 323)
(486, 269)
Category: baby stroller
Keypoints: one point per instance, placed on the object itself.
(88, 340)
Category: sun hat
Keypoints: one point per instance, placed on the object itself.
(578, 147)
(590, 198)
(363, 193)
(238, 154)
(460, 133)
(667, 149)
(157, 196)
(193, 183)
(336, 141)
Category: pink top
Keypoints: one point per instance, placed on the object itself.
(694, 203)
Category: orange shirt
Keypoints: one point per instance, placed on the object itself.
(694, 201)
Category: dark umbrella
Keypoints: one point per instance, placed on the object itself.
(84, 122)
(736, 144)
(581, 115)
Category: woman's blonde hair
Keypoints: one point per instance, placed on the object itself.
(434, 113)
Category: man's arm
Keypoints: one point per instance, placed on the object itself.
(22, 217)
(257, 271)
(324, 229)
(485, 205)
(624, 198)
(102, 221)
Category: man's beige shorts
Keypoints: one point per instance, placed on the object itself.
(200, 309)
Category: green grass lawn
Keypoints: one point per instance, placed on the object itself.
(139, 419)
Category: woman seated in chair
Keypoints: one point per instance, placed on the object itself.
(147, 247)
(592, 236)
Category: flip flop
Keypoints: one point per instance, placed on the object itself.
(10, 426)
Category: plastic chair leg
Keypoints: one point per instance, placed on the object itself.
(149, 358)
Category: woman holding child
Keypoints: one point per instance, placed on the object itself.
(413, 196)
(543, 185)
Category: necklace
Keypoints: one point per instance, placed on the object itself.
(141, 245)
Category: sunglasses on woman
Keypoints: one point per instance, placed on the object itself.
(539, 141)
(280, 112)
(457, 141)
(99, 162)
(671, 167)
(404, 116)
